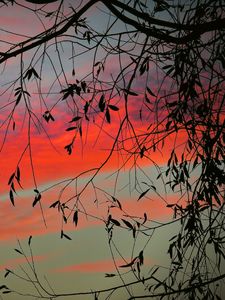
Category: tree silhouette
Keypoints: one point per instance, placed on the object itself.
(158, 68)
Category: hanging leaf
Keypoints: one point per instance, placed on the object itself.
(48, 116)
(13, 187)
(7, 272)
(101, 103)
(119, 204)
(3, 287)
(134, 232)
(31, 72)
(11, 178)
(18, 174)
(141, 257)
(117, 223)
(69, 148)
(75, 119)
(36, 199)
(147, 99)
(143, 194)
(86, 106)
(71, 128)
(113, 107)
(129, 264)
(29, 241)
(150, 92)
(65, 236)
(11, 197)
(18, 251)
(75, 217)
(18, 99)
(83, 86)
(145, 218)
(109, 275)
(128, 224)
(54, 204)
(107, 115)
(129, 92)
(114, 199)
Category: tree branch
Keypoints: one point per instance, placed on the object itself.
(194, 286)
(47, 35)
(197, 30)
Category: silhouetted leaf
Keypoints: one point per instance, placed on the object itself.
(128, 224)
(75, 217)
(18, 251)
(109, 275)
(7, 272)
(170, 205)
(147, 99)
(36, 199)
(83, 86)
(143, 194)
(11, 197)
(113, 107)
(97, 63)
(145, 218)
(117, 223)
(119, 204)
(134, 232)
(129, 264)
(48, 116)
(3, 287)
(18, 99)
(11, 178)
(86, 106)
(18, 174)
(150, 92)
(143, 149)
(71, 128)
(69, 148)
(13, 187)
(101, 103)
(75, 119)
(80, 130)
(63, 235)
(129, 92)
(141, 257)
(31, 72)
(29, 241)
(168, 125)
(54, 204)
(107, 115)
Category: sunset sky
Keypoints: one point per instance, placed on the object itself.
(79, 264)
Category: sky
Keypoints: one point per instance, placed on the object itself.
(79, 264)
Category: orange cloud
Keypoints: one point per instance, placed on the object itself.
(13, 263)
(102, 266)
